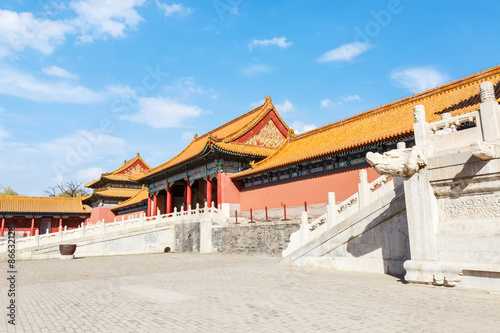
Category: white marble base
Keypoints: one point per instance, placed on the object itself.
(68, 257)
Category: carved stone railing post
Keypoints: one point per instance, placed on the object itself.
(421, 212)
(60, 233)
(489, 110)
(331, 210)
(304, 228)
(421, 127)
(82, 230)
(363, 188)
(37, 238)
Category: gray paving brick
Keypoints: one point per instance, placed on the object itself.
(178, 292)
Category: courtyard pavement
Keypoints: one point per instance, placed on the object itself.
(178, 292)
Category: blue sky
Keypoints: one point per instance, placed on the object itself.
(85, 84)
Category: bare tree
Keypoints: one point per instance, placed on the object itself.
(67, 190)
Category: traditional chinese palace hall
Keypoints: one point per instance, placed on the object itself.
(115, 187)
(29, 214)
(256, 160)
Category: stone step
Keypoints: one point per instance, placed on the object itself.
(473, 256)
(488, 227)
(468, 242)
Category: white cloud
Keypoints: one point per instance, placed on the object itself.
(26, 86)
(21, 30)
(175, 8)
(59, 158)
(162, 112)
(253, 105)
(59, 72)
(187, 86)
(121, 90)
(256, 69)
(345, 52)
(281, 42)
(88, 175)
(83, 145)
(284, 107)
(3, 134)
(328, 102)
(300, 127)
(418, 79)
(351, 98)
(99, 19)
(187, 136)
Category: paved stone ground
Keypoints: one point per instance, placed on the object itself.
(176, 292)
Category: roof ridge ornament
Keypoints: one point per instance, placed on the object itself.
(268, 98)
(291, 134)
(252, 164)
(195, 136)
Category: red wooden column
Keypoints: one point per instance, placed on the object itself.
(148, 213)
(32, 229)
(169, 199)
(185, 195)
(3, 226)
(155, 204)
(188, 194)
(209, 192)
(219, 189)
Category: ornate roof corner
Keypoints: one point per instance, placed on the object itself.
(138, 155)
(195, 136)
(252, 164)
(268, 98)
(291, 134)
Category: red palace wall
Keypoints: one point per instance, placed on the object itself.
(312, 189)
(230, 190)
(100, 213)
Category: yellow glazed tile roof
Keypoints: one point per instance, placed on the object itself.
(222, 138)
(21, 204)
(116, 175)
(115, 192)
(388, 121)
(137, 198)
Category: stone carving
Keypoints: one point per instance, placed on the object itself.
(471, 207)
(483, 150)
(432, 272)
(347, 203)
(363, 176)
(487, 91)
(419, 113)
(398, 162)
(317, 223)
(380, 181)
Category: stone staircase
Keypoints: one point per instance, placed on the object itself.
(367, 232)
